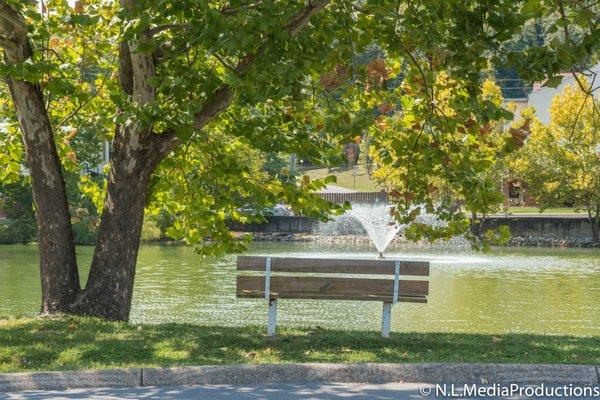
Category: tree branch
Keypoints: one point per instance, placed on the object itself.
(223, 96)
(11, 22)
(302, 19)
(224, 63)
(143, 69)
(233, 11)
(13, 28)
(161, 28)
(86, 102)
(5, 42)
(142, 65)
(563, 16)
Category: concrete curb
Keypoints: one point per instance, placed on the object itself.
(59, 380)
(303, 373)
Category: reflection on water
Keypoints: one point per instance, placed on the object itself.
(508, 290)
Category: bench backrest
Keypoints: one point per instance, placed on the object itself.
(396, 288)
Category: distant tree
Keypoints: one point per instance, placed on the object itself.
(560, 162)
(434, 183)
(16, 203)
(279, 165)
(545, 31)
(364, 156)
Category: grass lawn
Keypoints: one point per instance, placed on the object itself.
(534, 210)
(84, 343)
(357, 180)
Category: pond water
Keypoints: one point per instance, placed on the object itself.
(554, 291)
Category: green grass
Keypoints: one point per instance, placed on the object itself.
(65, 343)
(346, 178)
(359, 180)
(535, 210)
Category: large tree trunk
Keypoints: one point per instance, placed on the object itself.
(136, 153)
(110, 283)
(58, 265)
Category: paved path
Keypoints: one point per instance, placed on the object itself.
(336, 189)
(233, 392)
(316, 391)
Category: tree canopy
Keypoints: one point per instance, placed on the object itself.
(193, 96)
(560, 162)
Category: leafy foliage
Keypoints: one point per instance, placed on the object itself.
(218, 178)
(16, 204)
(417, 93)
(440, 159)
(560, 162)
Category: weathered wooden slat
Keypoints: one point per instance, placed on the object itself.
(304, 296)
(332, 266)
(331, 288)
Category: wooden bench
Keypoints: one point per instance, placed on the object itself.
(273, 285)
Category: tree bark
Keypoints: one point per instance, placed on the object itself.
(594, 219)
(136, 153)
(58, 265)
(109, 287)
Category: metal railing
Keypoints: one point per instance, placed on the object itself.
(356, 197)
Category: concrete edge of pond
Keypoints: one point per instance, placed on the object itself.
(303, 373)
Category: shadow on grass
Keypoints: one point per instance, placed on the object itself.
(86, 343)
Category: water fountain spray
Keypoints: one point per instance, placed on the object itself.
(379, 224)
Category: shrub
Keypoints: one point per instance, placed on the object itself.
(85, 231)
(150, 231)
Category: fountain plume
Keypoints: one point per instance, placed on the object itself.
(377, 222)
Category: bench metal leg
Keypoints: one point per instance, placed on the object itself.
(386, 318)
(272, 324)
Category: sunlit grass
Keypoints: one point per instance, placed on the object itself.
(356, 179)
(535, 210)
(29, 344)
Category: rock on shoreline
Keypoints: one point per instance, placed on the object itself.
(532, 241)
(529, 241)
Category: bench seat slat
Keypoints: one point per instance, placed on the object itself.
(331, 288)
(306, 296)
(332, 266)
